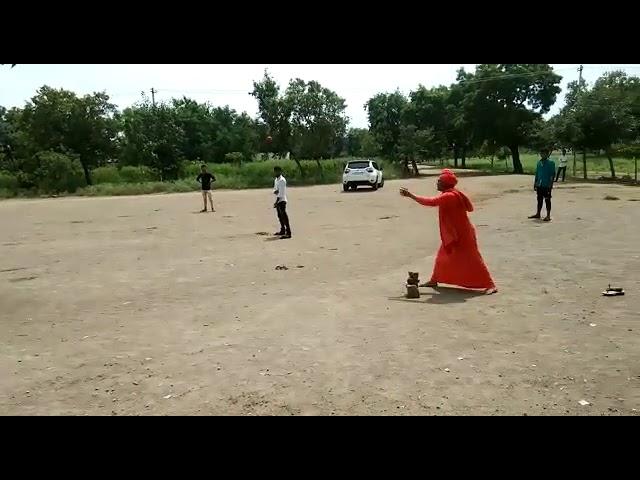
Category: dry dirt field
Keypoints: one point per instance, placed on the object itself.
(139, 306)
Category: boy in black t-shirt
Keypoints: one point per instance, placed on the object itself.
(205, 178)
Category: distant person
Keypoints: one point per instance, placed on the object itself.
(458, 261)
(280, 191)
(562, 165)
(205, 178)
(543, 183)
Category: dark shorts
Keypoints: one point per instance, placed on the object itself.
(544, 192)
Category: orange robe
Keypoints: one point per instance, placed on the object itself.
(458, 261)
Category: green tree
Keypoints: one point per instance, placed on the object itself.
(369, 147)
(599, 117)
(245, 137)
(152, 136)
(275, 113)
(318, 122)
(57, 120)
(506, 99)
(415, 144)
(57, 173)
(354, 141)
(429, 111)
(5, 139)
(385, 112)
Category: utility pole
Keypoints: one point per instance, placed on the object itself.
(580, 69)
(584, 152)
(153, 96)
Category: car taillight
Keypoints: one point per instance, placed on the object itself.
(347, 170)
(370, 170)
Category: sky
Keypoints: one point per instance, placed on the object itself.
(230, 84)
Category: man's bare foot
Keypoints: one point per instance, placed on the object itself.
(547, 219)
(429, 285)
(491, 291)
(532, 217)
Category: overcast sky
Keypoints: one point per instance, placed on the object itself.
(229, 84)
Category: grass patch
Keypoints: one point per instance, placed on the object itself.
(596, 166)
(113, 181)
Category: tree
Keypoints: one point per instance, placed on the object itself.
(152, 136)
(543, 134)
(385, 112)
(317, 120)
(197, 124)
(369, 147)
(5, 138)
(275, 113)
(602, 116)
(506, 99)
(57, 120)
(428, 111)
(355, 137)
(414, 144)
(245, 137)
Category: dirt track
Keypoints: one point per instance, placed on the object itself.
(140, 306)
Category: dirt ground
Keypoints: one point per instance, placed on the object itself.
(129, 306)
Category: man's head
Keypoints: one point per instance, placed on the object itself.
(564, 152)
(203, 169)
(277, 171)
(544, 153)
(446, 181)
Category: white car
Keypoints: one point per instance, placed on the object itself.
(362, 172)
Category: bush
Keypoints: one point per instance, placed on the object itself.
(58, 173)
(234, 157)
(138, 174)
(106, 175)
(8, 181)
(190, 170)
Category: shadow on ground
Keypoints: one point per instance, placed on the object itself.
(442, 296)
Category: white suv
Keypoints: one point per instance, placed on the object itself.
(362, 172)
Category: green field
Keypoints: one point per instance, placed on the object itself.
(112, 181)
(596, 166)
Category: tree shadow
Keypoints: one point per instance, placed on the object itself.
(442, 296)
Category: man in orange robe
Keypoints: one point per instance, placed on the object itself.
(458, 261)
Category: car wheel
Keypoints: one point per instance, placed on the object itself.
(375, 185)
(345, 187)
(381, 183)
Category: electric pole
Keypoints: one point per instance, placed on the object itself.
(584, 149)
(153, 96)
(580, 69)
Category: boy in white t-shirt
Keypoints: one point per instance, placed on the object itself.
(280, 191)
(562, 165)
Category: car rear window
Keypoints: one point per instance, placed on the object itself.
(355, 165)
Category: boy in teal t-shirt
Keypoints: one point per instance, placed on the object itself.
(543, 183)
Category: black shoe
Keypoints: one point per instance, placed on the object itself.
(287, 235)
(534, 217)
(278, 234)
